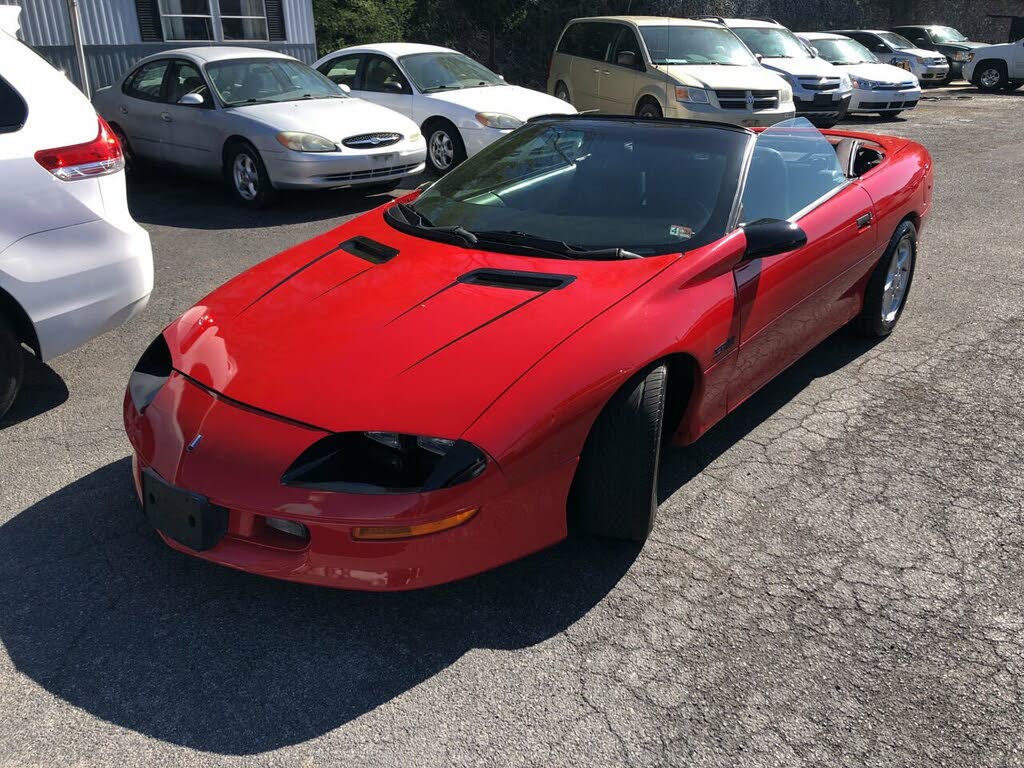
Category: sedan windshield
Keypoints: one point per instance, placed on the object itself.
(773, 42)
(262, 81)
(899, 42)
(591, 188)
(843, 51)
(447, 71)
(946, 35)
(695, 45)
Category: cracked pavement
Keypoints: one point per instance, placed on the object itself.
(835, 577)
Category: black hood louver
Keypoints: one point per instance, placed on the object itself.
(523, 281)
(369, 250)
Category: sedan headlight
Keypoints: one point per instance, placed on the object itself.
(961, 56)
(864, 83)
(385, 462)
(498, 120)
(691, 95)
(305, 142)
(786, 95)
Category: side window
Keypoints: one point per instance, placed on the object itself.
(597, 39)
(13, 110)
(148, 81)
(570, 42)
(342, 70)
(793, 166)
(186, 78)
(383, 76)
(874, 44)
(626, 50)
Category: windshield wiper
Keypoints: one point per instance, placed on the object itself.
(557, 248)
(414, 218)
(441, 88)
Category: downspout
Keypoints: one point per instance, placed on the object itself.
(76, 34)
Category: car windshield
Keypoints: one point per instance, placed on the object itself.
(896, 41)
(594, 184)
(772, 42)
(946, 35)
(695, 45)
(447, 72)
(843, 51)
(261, 81)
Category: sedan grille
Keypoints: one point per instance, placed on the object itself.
(755, 100)
(372, 140)
(894, 86)
(376, 173)
(813, 83)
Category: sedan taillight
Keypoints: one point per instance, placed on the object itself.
(98, 157)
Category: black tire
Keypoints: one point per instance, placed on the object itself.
(12, 365)
(250, 182)
(445, 148)
(133, 167)
(878, 318)
(380, 189)
(614, 492)
(562, 92)
(991, 75)
(649, 110)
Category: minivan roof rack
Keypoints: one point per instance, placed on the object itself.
(764, 18)
(716, 19)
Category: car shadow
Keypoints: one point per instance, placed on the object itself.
(680, 465)
(169, 198)
(42, 389)
(101, 614)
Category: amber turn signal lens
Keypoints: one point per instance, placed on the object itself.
(381, 533)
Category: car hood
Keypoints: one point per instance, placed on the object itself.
(801, 67)
(921, 52)
(521, 103)
(883, 73)
(711, 76)
(321, 336)
(334, 119)
(966, 45)
(994, 48)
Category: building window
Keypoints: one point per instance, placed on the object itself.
(243, 19)
(186, 19)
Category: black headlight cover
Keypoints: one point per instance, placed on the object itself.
(152, 370)
(351, 462)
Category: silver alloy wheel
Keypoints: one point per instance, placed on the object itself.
(246, 176)
(990, 77)
(897, 280)
(442, 151)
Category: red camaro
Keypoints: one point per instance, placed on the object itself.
(463, 376)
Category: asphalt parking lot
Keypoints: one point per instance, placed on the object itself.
(835, 579)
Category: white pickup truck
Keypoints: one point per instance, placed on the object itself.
(997, 67)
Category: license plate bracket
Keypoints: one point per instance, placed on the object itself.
(823, 99)
(385, 158)
(187, 518)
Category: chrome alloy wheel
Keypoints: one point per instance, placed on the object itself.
(246, 176)
(897, 280)
(442, 151)
(990, 77)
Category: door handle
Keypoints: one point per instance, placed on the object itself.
(865, 220)
(165, 117)
(596, 71)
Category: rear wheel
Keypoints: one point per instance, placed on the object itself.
(990, 75)
(248, 176)
(561, 92)
(614, 492)
(889, 286)
(132, 166)
(649, 110)
(12, 363)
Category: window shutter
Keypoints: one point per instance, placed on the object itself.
(275, 20)
(148, 12)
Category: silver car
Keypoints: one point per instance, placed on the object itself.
(263, 120)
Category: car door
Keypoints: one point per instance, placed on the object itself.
(342, 69)
(138, 110)
(594, 41)
(790, 302)
(1015, 65)
(619, 74)
(190, 135)
(382, 82)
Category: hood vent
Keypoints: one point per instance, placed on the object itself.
(522, 281)
(369, 250)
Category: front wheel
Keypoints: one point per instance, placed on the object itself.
(614, 492)
(445, 148)
(649, 110)
(248, 176)
(886, 294)
(991, 76)
(12, 363)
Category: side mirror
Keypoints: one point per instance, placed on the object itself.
(345, 88)
(759, 57)
(626, 59)
(768, 237)
(191, 100)
(394, 86)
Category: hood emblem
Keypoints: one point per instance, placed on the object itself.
(750, 100)
(194, 444)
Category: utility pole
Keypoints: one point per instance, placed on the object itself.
(76, 34)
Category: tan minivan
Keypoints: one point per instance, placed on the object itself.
(652, 67)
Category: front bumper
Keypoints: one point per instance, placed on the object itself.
(237, 465)
(761, 118)
(477, 139)
(328, 170)
(834, 104)
(931, 73)
(884, 99)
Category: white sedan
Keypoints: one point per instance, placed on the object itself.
(73, 262)
(460, 104)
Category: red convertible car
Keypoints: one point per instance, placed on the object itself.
(468, 373)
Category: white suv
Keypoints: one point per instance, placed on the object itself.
(73, 262)
(821, 92)
(653, 67)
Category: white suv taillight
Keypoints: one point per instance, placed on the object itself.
(99, 157)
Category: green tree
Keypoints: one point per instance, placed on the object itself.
(340, 23)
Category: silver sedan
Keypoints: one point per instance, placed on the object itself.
(263, 120)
